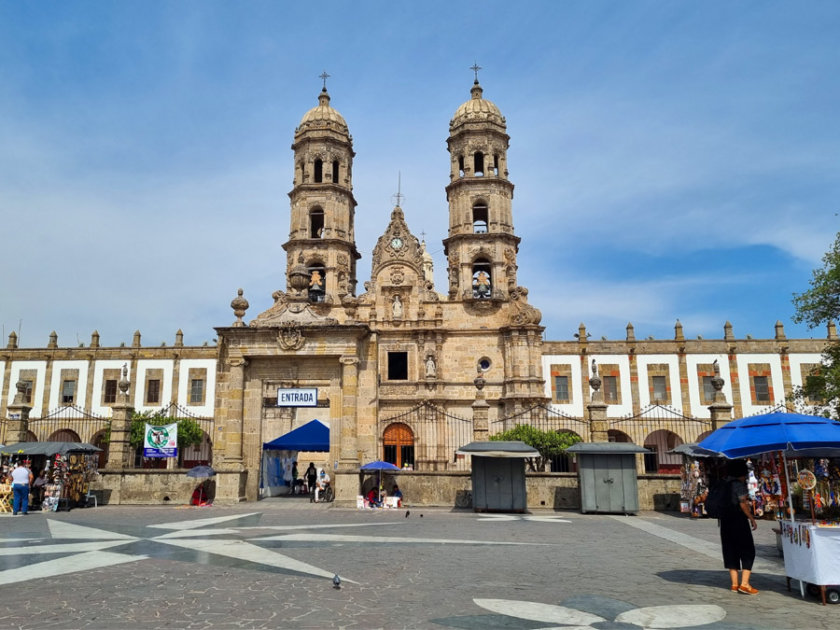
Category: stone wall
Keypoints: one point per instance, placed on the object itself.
(557, 491)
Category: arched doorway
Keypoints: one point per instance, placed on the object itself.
(99, 441)
(614, 435)
(660, 459)
(64, 435)
(398, 445)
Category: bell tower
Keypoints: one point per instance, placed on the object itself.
(322, 239)
(481, 247)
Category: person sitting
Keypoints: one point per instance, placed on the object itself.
(323, 482)
(397, 493)
(372, 498)
(199, 495)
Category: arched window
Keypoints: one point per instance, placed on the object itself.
(316, 223)
(398, 445)
(614, 435)
(478, 161)
(317, 283)
(495, 164)
(482, 282)
(460, 166)
(319, 171)
(479, 218)
(335, 171)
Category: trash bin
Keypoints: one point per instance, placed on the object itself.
(607, 476)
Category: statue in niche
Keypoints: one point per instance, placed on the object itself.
(431, 368)
(397, 307)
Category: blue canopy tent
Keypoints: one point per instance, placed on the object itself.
(281, 452)
(312, 436)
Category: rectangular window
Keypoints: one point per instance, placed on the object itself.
(68, 392)
(762, 389)
(660, 389)
(708, 390)
(610, 389)
(398, 366)
(197, 391)
(110, 394)
(561, 389)
(152, 391)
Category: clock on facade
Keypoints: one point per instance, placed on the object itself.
(396, 242)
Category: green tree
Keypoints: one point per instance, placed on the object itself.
(550, 444)
(819, 305)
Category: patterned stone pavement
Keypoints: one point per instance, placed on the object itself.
(271, 565)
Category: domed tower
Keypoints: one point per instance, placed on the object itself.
(321, 232)
(481, 247)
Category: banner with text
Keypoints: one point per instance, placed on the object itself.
(161, 441)
(297, 397)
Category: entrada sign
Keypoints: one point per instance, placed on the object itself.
(297, 397)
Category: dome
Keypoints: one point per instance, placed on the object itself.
(477, 109)
(323, 116)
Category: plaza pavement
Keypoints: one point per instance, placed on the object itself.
(270, 565)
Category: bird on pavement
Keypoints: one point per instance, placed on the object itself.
(336, 581)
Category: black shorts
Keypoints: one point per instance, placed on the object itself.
(737, 543)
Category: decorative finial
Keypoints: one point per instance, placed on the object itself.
(124, 383)
(239, 305)
(324, 76)
(475, 68)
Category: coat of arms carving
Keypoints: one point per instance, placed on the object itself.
(290, 336)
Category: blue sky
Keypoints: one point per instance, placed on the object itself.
(671, 159)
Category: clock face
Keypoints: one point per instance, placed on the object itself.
(396, 243)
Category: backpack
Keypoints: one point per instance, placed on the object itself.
(719, 503)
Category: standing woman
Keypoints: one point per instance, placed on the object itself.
(21, 480)
(736, 527)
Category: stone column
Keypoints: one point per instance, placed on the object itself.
(236, 409)
(480, 409)
(597, 409)
(348, 454)
(119, 449)
(720, 410)
(18, 411)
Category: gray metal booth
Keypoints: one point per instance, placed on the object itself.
(607, 476)
(498, 475)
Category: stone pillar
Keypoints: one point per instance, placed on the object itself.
(720, 410)
(236, 402)
(348, 453)
(18, 411)
(480, 409)
(119, 449)
(597, 409)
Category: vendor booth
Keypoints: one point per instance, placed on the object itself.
(69, 469)
(280, 456)
(607, 476)
(498, 475)
(809, 445)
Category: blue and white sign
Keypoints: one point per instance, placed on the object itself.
(161, 441)
(297, 397)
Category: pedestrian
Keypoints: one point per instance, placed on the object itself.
(21, 479)
(311, 478)
(293, 489)
(736, 523)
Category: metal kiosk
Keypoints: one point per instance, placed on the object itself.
(607, 476)
(498, 475)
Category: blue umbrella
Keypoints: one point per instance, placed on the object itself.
(379, 466)
(795, 434)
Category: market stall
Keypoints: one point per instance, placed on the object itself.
(280, 455)
(811, 543)
(69, 468)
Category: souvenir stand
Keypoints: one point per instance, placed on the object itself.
(811, 546)
(70, 468)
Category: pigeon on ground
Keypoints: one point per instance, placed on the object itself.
(336, 581)
(407, 512)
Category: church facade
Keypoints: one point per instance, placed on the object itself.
(399, 369)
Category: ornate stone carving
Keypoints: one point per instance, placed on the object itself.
(239, 305)
(397, 275)
(522, 313)
(431, 366)
(290, 337)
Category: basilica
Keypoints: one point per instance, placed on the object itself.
(397, 368)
